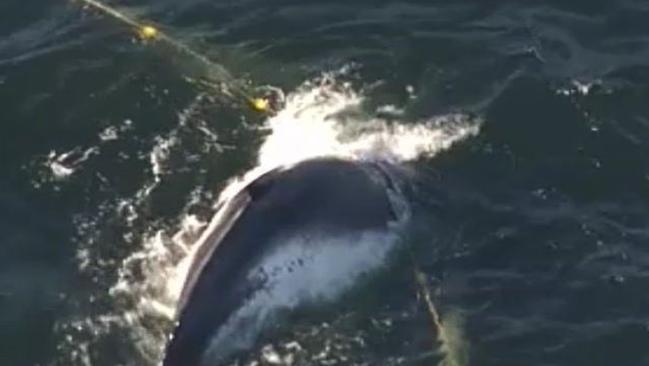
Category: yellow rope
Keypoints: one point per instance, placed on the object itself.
(450, 349)
(148, 32)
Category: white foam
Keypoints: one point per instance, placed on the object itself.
(112, 133)
(322, 120)
(160, 154)
(63, 165)
(391, 109)
(578, 87)
(327, 120)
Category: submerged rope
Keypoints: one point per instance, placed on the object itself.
(448, 349)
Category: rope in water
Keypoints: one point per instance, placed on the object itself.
(148, 32)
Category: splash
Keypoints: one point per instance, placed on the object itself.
(325, 118)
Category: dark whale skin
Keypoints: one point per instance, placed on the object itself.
(329, 195)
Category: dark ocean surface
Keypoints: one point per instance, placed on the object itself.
(524, 126)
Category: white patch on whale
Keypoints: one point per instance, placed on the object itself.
(301, 269)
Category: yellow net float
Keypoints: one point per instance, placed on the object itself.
(148, 32)
(260, 105)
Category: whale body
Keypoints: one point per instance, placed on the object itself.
(295, 235)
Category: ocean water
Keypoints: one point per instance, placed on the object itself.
(522, 127)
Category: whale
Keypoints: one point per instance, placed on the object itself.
(298, 234)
